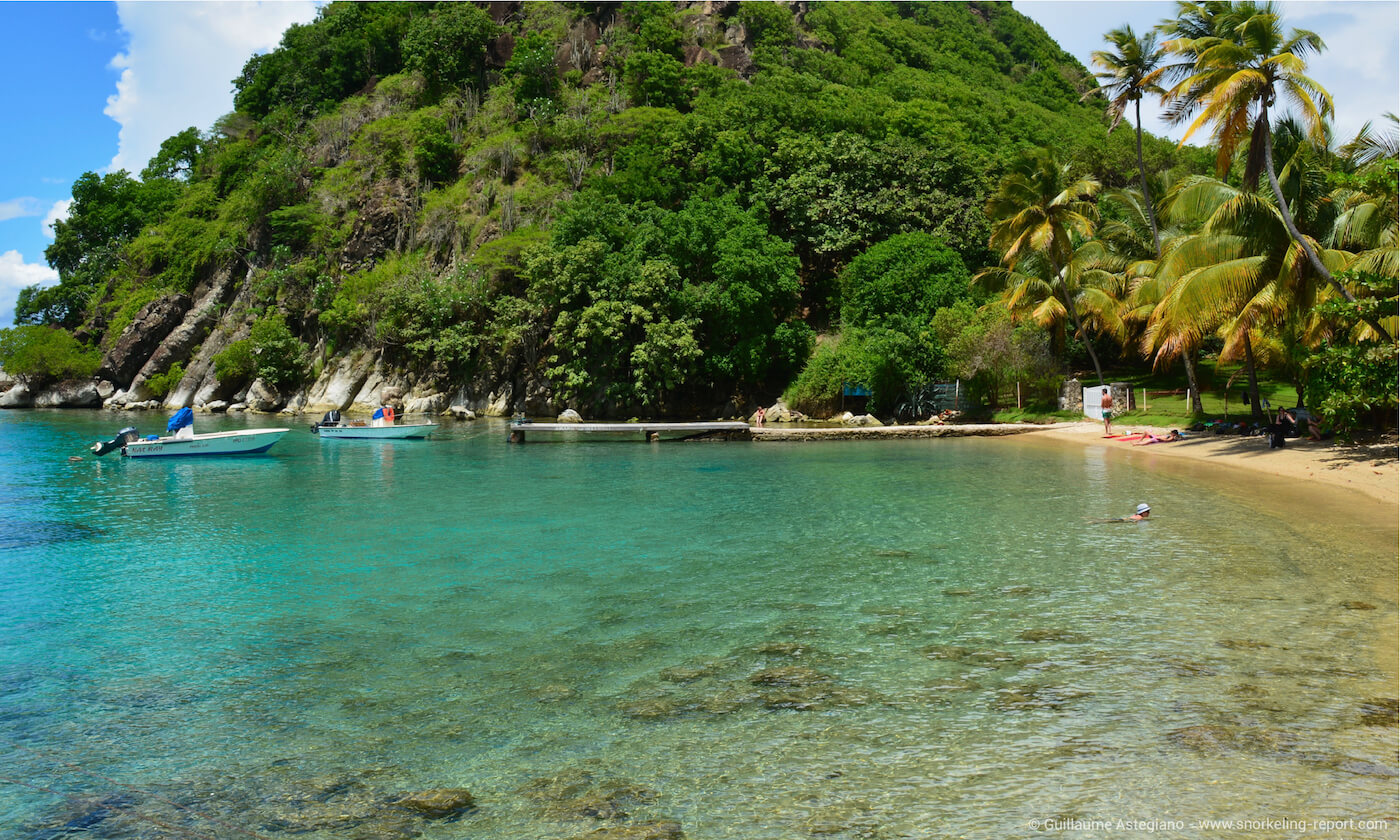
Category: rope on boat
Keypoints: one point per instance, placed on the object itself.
(130, 789)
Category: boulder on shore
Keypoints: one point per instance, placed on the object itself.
(780, 413)
(849, 419)
(72, 393)
(461, 412)
(568, 415)
(263, 397)
(431, 404)
(18, 396)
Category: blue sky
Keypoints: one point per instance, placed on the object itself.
(96, 86)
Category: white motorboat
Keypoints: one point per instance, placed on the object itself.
(242, 442)
(367, 432)
(381, 427)
(183, 442)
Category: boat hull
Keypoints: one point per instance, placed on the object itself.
(245, 442)
(407, 430)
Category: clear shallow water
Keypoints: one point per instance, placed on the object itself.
(874, 640)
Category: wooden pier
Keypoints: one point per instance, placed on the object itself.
(724, 430)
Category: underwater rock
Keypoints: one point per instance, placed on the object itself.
(650, 830)
(1212, 739)
(1045, 634)
(91, 814)
(958, 593)
(790, 676)
(1186, 668)
(1380, 711)
(654, 708)
(554, 693)
(680, 674)
(576, 793)
(437, 802)
(793, 650)
(808, 698)
(1361, 767)
(954, 653)
(893, 628)
(1037, 697)
(852, 816)
(1357, 605)
(1242, 644)
(1203, 738)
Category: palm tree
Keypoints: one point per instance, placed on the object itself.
(1088, 292)
(1131, 69)
(1238, 73)
(1040, 212)
(1242, 273)
(1126, 235)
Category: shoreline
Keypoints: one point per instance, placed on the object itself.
(1370, 469)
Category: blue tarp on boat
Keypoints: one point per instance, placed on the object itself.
(184, 417)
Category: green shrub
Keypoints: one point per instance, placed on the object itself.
(891, 362)
(907, 273)
(281, 356)
(162, 383)
(39, 355)
(235, 364)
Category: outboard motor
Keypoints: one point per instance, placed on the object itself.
(123, 437)
(330, 418)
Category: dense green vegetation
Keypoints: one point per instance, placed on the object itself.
(643, 208)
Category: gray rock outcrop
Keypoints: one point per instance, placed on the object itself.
(153, 322)
(430, 404)
(263, 396)
(849, 419)
(18, 396)
(340, 382)
(73, 393)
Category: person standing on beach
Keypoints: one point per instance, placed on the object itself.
(1106, 403)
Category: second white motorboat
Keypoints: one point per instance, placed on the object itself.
(380, 427)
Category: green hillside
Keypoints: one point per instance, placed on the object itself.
(624, 208)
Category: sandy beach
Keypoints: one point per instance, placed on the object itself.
(1370, 469)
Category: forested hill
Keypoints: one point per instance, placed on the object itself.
(634, 208)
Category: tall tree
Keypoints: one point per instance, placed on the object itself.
(1133, 67)
(1040, 212)
(1239, 71)
(1241, 273)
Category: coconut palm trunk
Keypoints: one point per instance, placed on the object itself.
(1142, 178)
(1189, 359)
(1254, 405)
(1297, 235)
(1083, 336)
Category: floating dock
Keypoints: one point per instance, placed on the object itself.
(725, 430)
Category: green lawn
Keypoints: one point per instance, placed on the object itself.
(1171, 411)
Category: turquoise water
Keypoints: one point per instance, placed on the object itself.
(862, 640)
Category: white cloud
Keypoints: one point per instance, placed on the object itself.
(179, 63)
(58, 212)
(18, 208)
(15, 274)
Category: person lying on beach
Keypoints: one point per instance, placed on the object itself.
(1148, 437)
(1143, 511)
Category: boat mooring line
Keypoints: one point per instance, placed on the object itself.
(132, 789)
